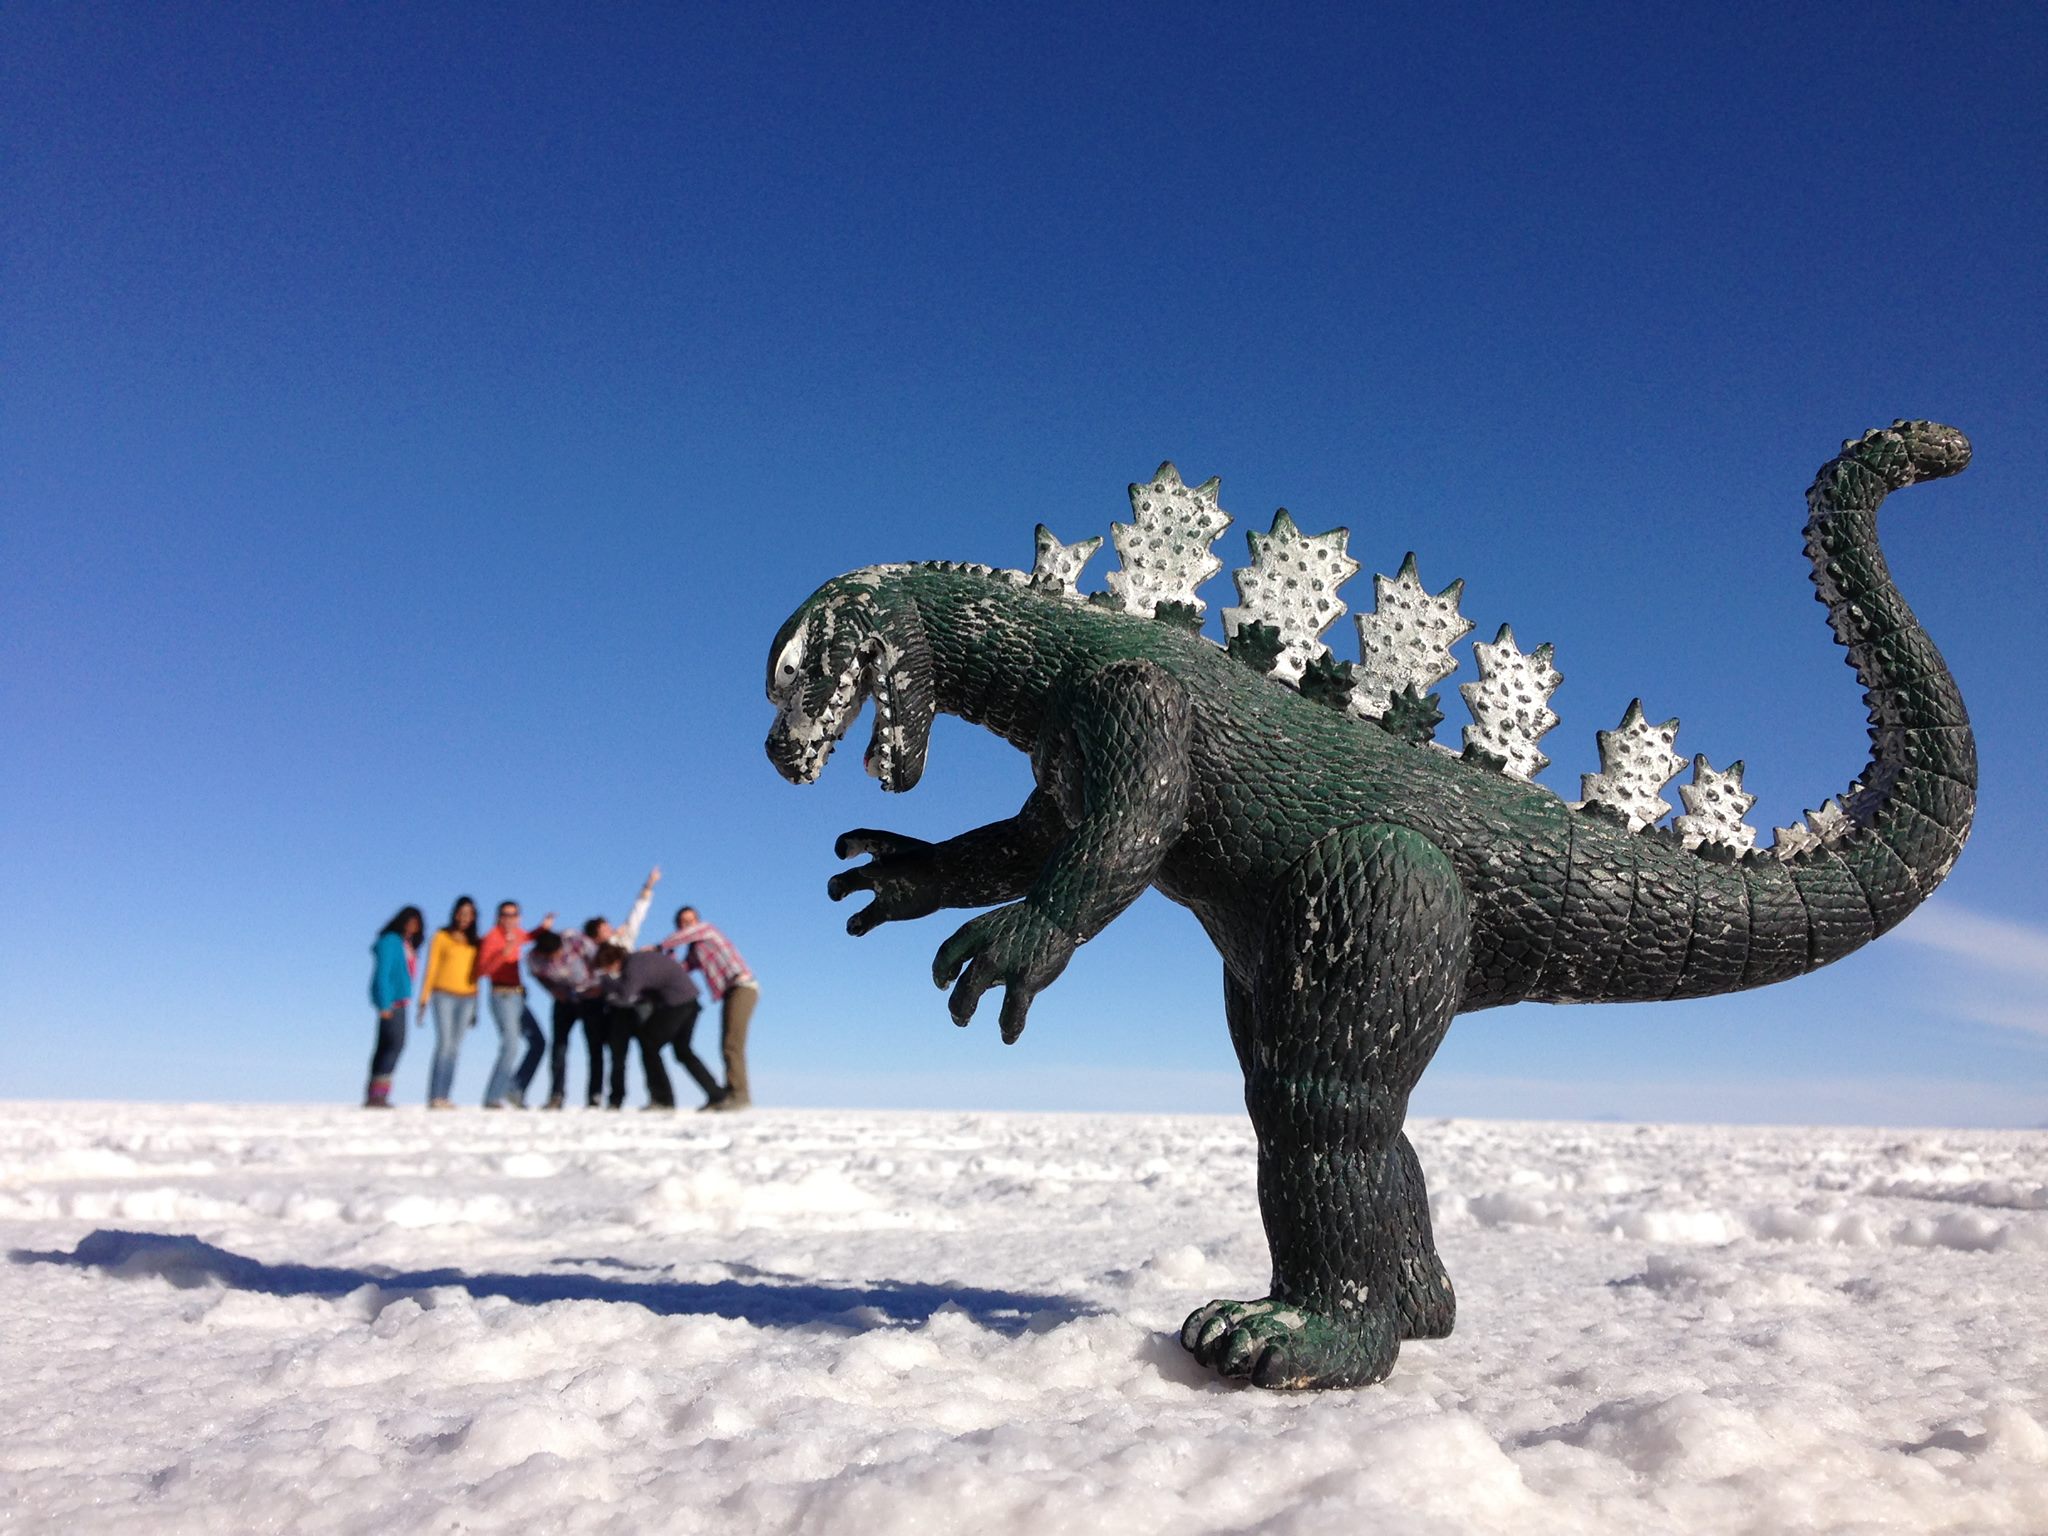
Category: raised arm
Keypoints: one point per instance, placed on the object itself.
(1115, 763)
(627, 934)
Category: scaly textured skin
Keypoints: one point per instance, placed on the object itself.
(1362, 889)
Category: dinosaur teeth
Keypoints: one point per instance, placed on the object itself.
(1510, 703)
(1165, 546)
(1406, 640)
(1715, 805)
(812, 736)
(1292, 585)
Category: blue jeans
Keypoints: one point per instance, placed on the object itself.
(453, 1018)
(390, 1041)
(517, 1028)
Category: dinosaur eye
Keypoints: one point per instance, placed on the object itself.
(790, 662)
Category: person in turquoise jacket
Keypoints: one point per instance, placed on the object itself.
(397, 953)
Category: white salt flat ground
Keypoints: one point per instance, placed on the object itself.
(228, 1319)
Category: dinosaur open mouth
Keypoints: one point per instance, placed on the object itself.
(801, 740)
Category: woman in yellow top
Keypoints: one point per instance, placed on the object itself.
(451, 983)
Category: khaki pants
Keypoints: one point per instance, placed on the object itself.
(734, 1013)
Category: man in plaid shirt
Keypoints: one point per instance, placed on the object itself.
(704, 949)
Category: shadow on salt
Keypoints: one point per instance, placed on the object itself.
(760, 1297)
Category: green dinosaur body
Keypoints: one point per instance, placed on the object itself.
(1362, 887)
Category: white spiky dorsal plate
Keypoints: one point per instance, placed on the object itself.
(1510, 703)
(1058, 566)
(1406, 640)
(1165, 545)
(1715, 805)
(1292, 585)
(1636, 762)
(1828, 824)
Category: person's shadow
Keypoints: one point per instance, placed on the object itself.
(756, 1296)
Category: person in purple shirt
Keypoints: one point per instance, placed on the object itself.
(665, 997)
(560, 962)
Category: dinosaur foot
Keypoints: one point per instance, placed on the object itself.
(1281, 1344)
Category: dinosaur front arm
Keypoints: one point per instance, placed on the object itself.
(911, 878)
(1115, 762)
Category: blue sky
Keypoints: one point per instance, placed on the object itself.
(415, 423)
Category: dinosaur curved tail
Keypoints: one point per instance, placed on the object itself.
(1873, 854)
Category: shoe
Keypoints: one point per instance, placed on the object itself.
(729, 1104)
(657, 1109)
(440, 1103)
(494, 1103)
(378, 1104)
(516, 1099)
(553, 1103)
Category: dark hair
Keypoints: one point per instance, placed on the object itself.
(399, 920)
(499, 909)
(546, 942)
(590, 928)
(468, 931)
(685, 907)
(607, 956)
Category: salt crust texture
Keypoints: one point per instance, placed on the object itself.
(230, 1319)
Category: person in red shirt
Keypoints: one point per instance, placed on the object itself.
(497, 961)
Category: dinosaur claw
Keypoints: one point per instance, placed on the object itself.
(1237, 1357)
(1275, 1367)
(977, 979)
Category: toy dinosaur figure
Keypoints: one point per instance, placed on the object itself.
(1362, 883)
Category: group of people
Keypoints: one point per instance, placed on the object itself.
(597, 978)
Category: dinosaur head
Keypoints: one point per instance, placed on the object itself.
(856, 638)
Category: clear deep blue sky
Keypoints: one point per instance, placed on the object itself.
(415, 422)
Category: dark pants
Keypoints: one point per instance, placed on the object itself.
(390, 1041)
(661, 1028)
(568, 1014)
(536, 1047)
(617, 1025)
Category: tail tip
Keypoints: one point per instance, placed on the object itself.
(1908, 452)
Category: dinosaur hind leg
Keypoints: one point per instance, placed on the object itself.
(1427, 1305)
(1359, 976)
